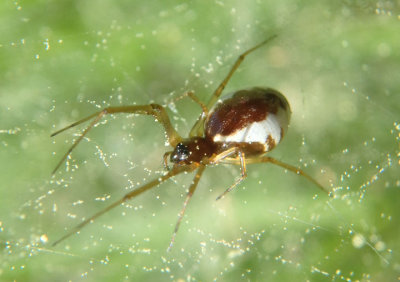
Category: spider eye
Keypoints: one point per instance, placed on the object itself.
(181, 153)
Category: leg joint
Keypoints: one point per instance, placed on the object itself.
(157, 108)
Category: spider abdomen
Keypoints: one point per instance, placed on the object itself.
(257, 118)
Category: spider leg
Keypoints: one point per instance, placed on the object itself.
(227, 155)
(152, 109)
(294, 169)
(175, 171)
(165, 160)
(197, 129)
(200, 103)
(196, 100)
(242, 160)
(189, 195)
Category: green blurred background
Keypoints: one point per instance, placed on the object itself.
(338, 64)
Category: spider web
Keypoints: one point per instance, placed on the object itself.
(336, 63)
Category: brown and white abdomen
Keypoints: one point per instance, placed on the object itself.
(254, 119)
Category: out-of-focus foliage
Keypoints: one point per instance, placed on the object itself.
(337, 63)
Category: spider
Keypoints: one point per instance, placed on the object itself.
(239, 130)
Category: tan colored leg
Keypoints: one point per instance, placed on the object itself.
(294, 169)
(128, 196)
(189, 195)
(242, 159)
(165, 159)
(195, 99)
(152, 109)
(198, 127)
